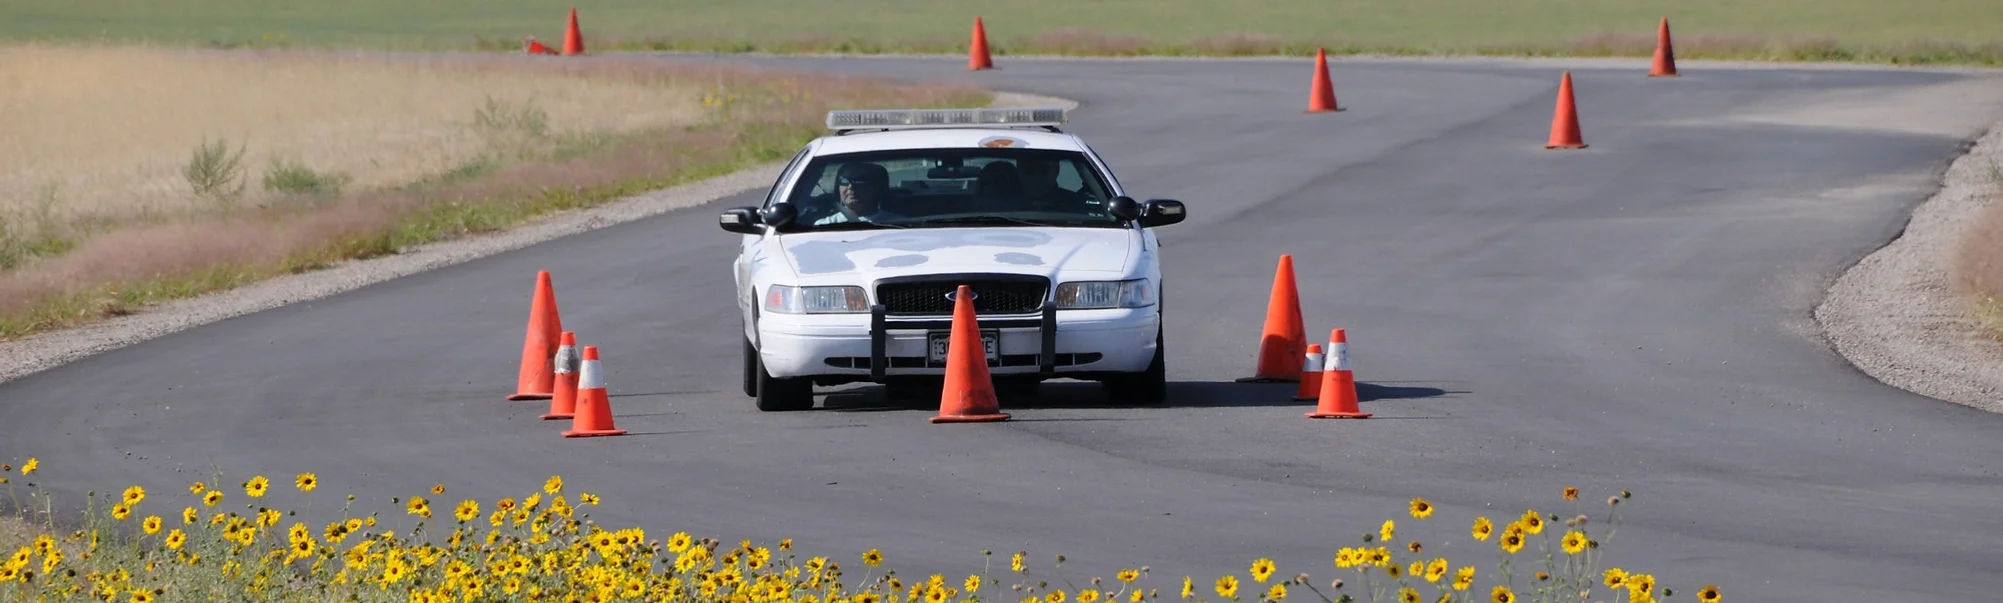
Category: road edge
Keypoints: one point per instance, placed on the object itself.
(1894, 315)
(43, 351)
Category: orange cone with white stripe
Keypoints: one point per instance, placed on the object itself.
(1338, 384)
(564, 403)
(1311, 374)
(594, 408)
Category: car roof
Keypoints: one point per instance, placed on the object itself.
(946, 137)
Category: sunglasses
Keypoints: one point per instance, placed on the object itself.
(847, 181)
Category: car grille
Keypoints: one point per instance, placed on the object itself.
(991, 296)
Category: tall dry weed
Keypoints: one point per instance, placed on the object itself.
(1977, 271)
(115, 127)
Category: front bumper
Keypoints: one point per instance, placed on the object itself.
(873, 347)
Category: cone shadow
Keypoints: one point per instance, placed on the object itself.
(1068, 394)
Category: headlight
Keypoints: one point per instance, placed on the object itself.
(1105, 294)
(815, 300)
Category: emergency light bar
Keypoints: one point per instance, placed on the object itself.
(891, 119)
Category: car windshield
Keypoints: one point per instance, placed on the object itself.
(927, 188)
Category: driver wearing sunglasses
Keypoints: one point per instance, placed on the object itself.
(861, 188)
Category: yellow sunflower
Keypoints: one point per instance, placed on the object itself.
(1421, 509)
(1227, 586)
(1708, 594)
(256, 486)
(1574, 542)
(1262, 569)
(1532, 522)
(1501, 594)
(306, 482)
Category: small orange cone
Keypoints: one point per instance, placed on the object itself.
(594, 408)
(1665, 53)
(977, 54)
(969, 394)
(1321, 96)
(531, 46)
(573, 40)
(537, 380)
(1565, 120)
(1284, 338)
(1338, 384)
(564, 403)
(1311, 374)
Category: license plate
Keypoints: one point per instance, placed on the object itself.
(940, 341)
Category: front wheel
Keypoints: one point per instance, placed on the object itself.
(1147, 387)
(776, 394)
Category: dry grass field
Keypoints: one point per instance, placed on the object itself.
(144, 174)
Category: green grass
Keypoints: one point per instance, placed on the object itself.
(1917, 31)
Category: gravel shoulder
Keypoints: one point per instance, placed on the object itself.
(40, 352)
(1895, 315)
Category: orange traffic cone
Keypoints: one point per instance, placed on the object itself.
(1338, 384)
(1311, 374)
(537, 380)
(977, 54)
(1565, 120)
(969, 394)
(594, 408)
(531, 46)
(1321, 96)
(1284, 339)
(1665, 54)
(564, 403)
(573, 40)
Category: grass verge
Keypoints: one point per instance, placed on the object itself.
(440, 147)
(144, 547)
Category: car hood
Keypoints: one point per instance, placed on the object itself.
(1047, 251)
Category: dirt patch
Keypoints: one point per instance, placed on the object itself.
(1897, 315)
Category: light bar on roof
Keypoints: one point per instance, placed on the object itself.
(944, 118)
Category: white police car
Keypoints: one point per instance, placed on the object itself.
(845, 274)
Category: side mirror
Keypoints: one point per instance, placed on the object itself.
(779, 214)
(1162, 212)
(741, 220)
(1124, 208)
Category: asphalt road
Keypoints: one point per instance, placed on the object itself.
(1629, 316)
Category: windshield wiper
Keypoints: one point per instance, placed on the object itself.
(984, 220)
(857, 225)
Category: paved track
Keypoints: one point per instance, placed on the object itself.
(1628, 316)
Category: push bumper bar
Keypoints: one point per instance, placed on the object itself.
(880, 326)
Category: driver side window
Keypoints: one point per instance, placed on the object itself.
(772, 195)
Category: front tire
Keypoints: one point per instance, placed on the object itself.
(751, 369)
(774, 394)
(1149, 387)
(779, 395)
